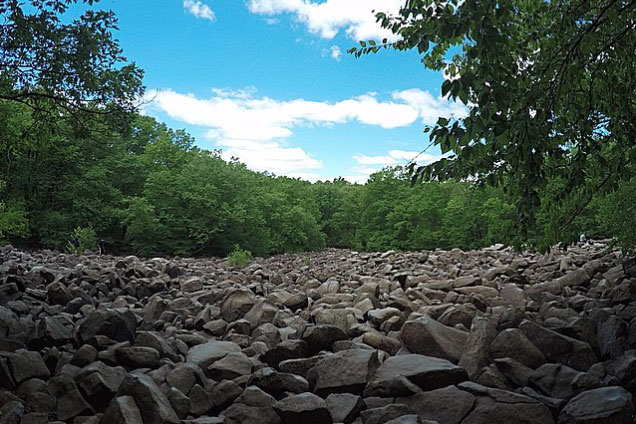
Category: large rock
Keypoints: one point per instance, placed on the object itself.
(560, 381)
(70, 402)
(577, 277)
(344, 407)
(153, 404)
(559, 348)
(237, 304)
(117, 324)
(344, 372)
(122, 410)
(205, 354)
(477, 350)
(231, 366)
(240, 413)
(305, 408)
(512, 343)
(134, 357)
(322, 337)
(448, 405)
(606, 405)
(276, 383)
(385, 413)
(25, 364)
(98, 383)
(426, 372)
(500, 406)
(288, 349)
(428, 337)
(253, 406)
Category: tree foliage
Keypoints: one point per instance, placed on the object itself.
(150, 191)
(550, 90)
(65, 68)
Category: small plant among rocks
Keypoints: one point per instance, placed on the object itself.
(239, 257)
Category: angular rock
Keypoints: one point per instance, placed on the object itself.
(301, 366)
(477, 350)
(322, 337)
(184, 376)
(25, 365)
(344, 372)
(606, 405)
(559, 348)
(379, 341)
(577, 277)
(288, 349)
(428, 373)
(494, 405)
(99, 383)
(11, 413)
(240, 413)
(385, 413)
(122, 410)
(152, 403)
(116, 324)
(207, 353)
(344, 407)
(224, 393)
(276, 383)
(303, 408)
(180, 402)
(428, 337)
(70, 402)
(231, 366)
(237, 304)
(448, 405)
(512, 343)
(560, 381)
(134, 357)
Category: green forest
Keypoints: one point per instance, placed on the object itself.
(546, 153)
(150, 191)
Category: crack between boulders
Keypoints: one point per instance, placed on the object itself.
(472, 408)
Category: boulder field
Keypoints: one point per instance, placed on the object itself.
(447, 337)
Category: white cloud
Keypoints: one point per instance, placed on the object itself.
(327, 18)
(395, 157)
(372, 164)
(254, 128)
(430, 108)
(270, 156)
(198, 9)
(336, 53)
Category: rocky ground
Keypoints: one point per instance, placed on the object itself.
(332, 337)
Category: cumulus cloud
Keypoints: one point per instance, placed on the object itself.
(254, 129)
(396, 157)
(367, 165)
(328, 18)
(270, 156)
(336, 53)
(199, 10)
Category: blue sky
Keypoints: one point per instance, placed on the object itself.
(270, 82)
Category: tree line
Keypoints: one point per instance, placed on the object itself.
(151, 191)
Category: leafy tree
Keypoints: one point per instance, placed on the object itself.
(81, 240)
(339, 205)
(549, 87)
(616, 215)
(63, 68)
(13, 220)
